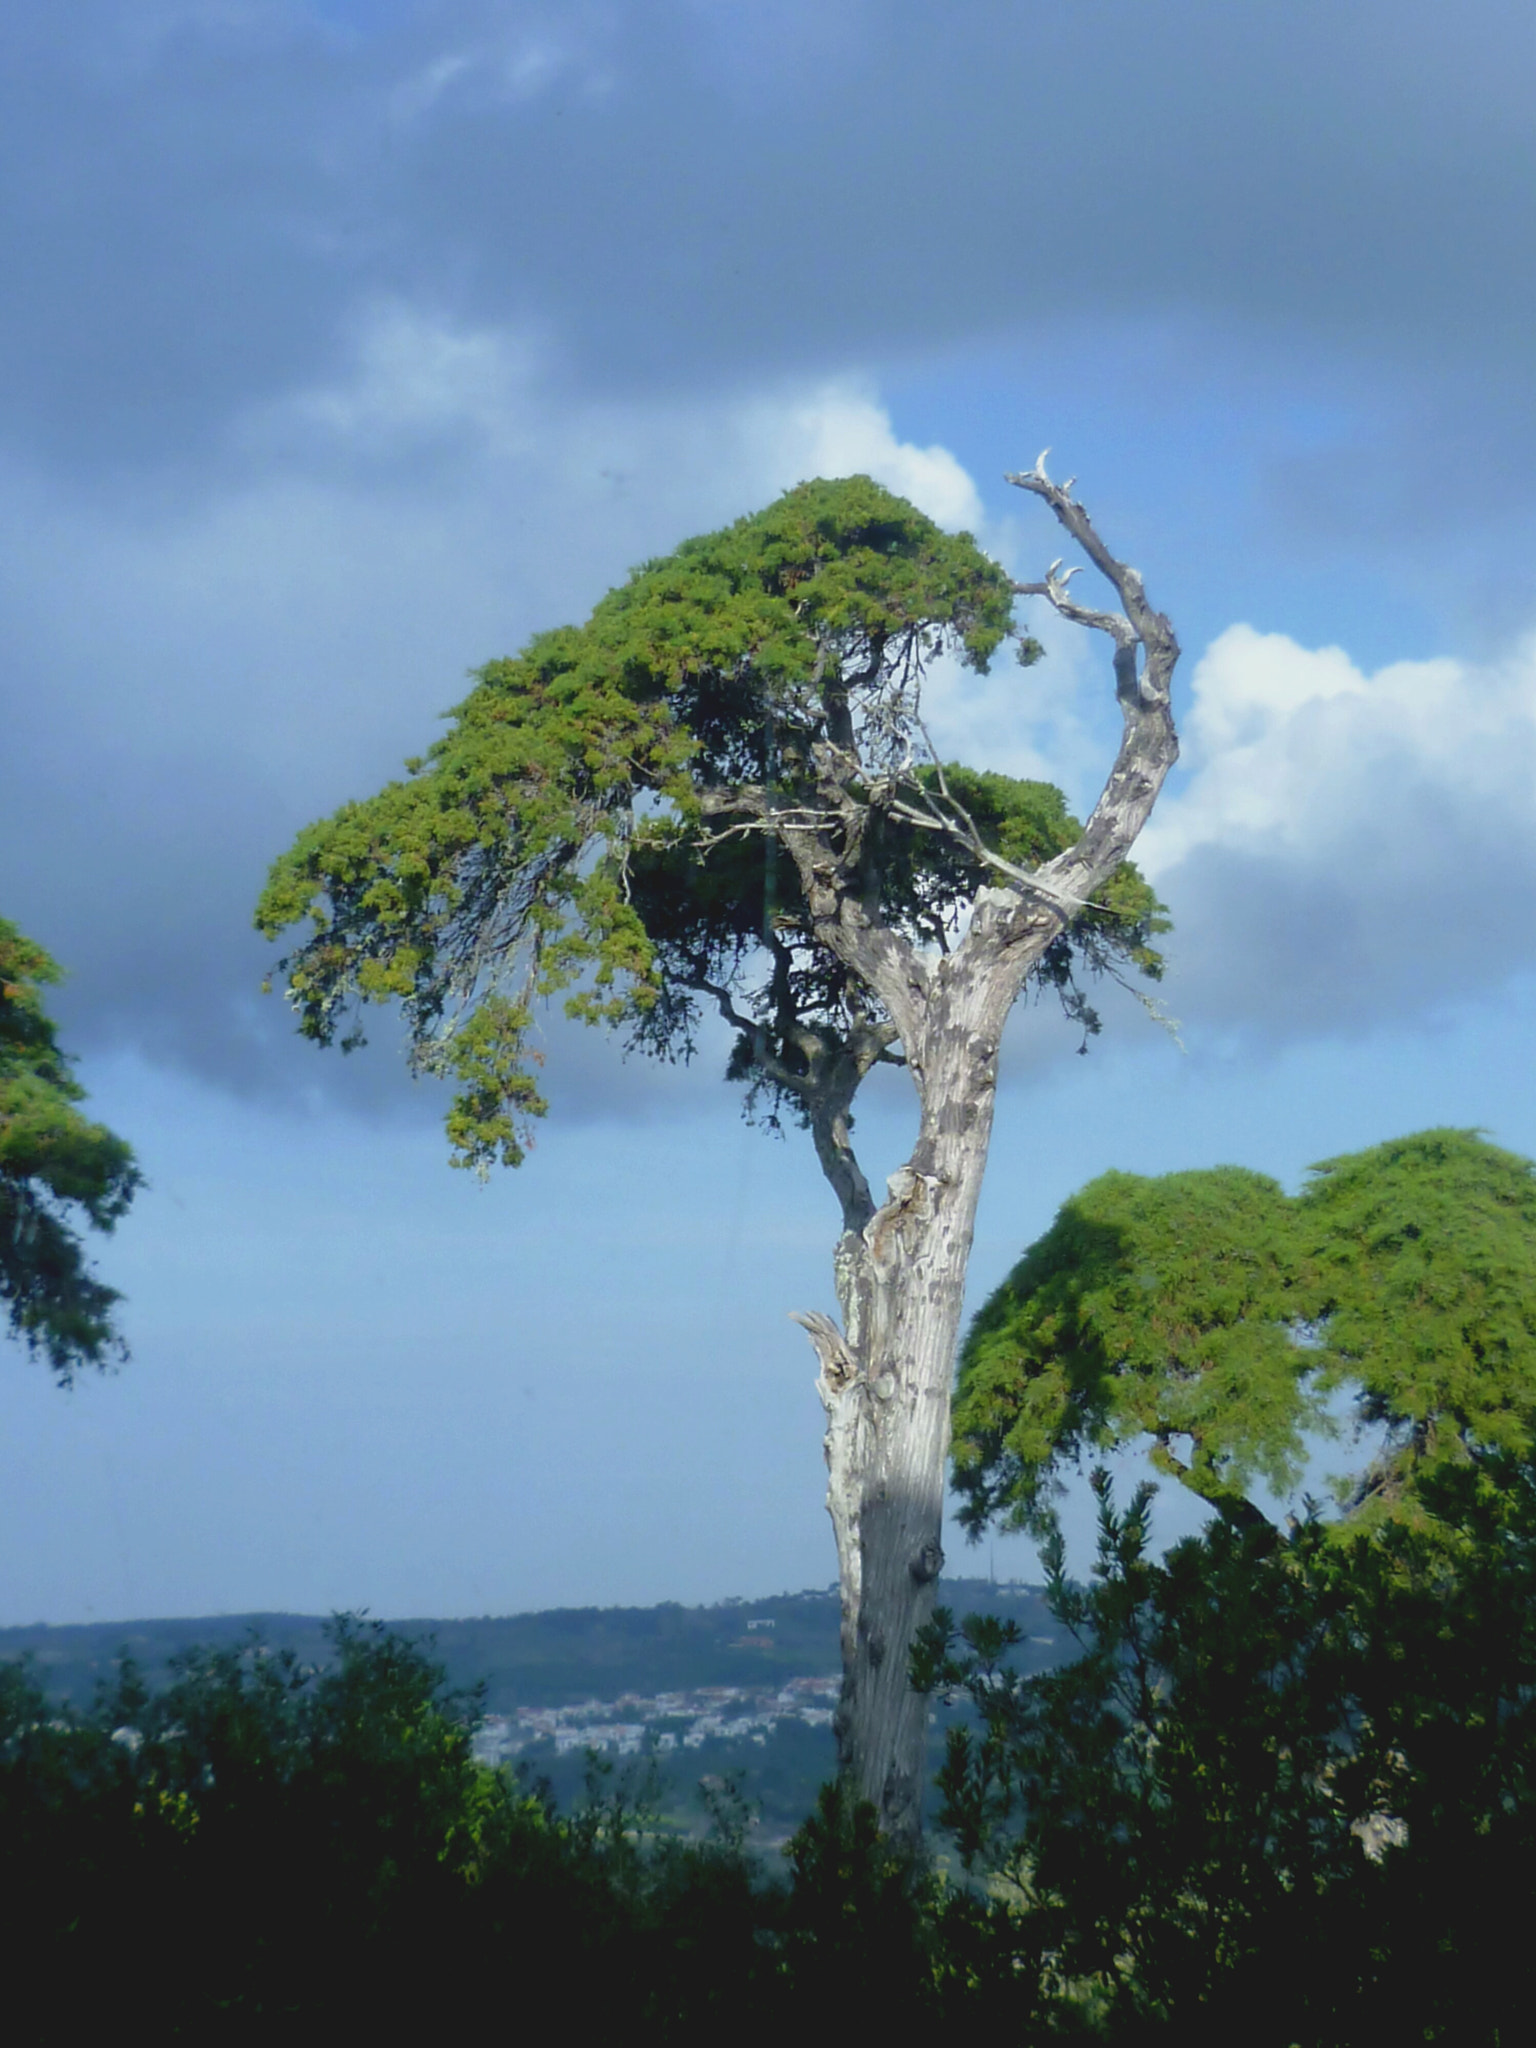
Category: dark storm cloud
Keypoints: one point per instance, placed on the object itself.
(1277, 952)
(186, 687)
(273, 472)
(199, 193)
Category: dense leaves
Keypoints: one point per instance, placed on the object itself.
(57, 1171)
(311, 1848)
(269, 1847)
(602, 820)
(1216, 1314)
(1286, 1793)
(281, 1826)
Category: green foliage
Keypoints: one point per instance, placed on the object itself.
(287, 1824)
(1422, 1262)
(868, 1927)
(856, 1930)
(1280, 1796)
(1027, 823)
(1283, 1793)
(1216, 1314)
(292, 1847)
(557, 841)
(56, 1167)
(313, 1849)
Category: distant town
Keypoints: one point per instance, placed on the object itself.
(663, 1722)
(633, 1723)
(741, 1690)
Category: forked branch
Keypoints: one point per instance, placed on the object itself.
(1146, 651)
(1138, 624)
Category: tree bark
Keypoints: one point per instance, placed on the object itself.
(901, 1287)
(886, 1376)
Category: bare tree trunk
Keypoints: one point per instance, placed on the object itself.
(886, 1376)
(885, 1382)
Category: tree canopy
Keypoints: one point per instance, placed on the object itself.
(599, 822)
(1217, 1315)
(57, 1168)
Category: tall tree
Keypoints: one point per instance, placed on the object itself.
(1216, 1315)
(720, 793)
(57, 1170)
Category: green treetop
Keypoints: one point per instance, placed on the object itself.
(56, 1167)
(719, 795)
(605, 820)
(1215, 1314)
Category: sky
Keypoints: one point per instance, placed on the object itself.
(347, 345)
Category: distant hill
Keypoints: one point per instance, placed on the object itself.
(554, 1658)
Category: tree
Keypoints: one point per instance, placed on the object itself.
(720, 793)
(1216, 1315)
(55, 1168)
(321, 1840)
(1283, 1793)
(330, 1855)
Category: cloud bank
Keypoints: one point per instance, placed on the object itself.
(192, 680)
(354, 342)
(676, 192)
(1347, 849)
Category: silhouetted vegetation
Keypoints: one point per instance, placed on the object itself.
(279, 1846)
(1286, 1792)
(1283, 1794)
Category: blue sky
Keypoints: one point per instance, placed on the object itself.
(348, 346)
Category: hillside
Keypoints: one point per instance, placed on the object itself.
(626, 1682)
(554, 1658)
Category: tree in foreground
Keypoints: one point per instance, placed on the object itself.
(314, 1851)
(295, 1847)
(57, 1170)
(1218, 1316)
(719, 795)
(1285, 1794)
(1282, 1790)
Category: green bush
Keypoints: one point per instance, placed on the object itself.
(1285, 1794)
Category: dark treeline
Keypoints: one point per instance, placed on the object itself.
(554, 1658)
(1283, 1794)
(549, 1659)
(262, 1844)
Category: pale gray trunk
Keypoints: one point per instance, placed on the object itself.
(886, 1374)
(885, 1382)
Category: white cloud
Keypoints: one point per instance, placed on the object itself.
(1348, 845)
(1036, 724)
(522, 63)
(413, 376)
(841, 430)
(1339, 846)
(417, 94)
(662, 472)
(1291, 748)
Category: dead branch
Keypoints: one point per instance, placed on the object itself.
(1146, 650)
